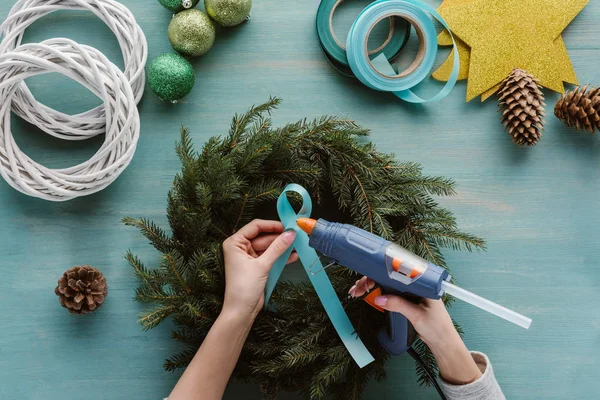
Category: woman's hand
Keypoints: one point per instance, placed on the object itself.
(435, 327)
(249, 255)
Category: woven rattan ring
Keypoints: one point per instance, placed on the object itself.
(133, 45)
(90, 68)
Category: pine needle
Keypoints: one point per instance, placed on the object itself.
(238, 177)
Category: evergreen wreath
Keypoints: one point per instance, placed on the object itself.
(236, 178)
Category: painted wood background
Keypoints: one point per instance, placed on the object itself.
(535, 207)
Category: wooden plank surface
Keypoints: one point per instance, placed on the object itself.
(535, 207)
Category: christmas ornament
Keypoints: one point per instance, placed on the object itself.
(178, 5)
(81, 289)
(444, 39)
(503, 34)
(171, 77)
(580, 109)
(134, 48)
(228, 12)
(238, 177)
(191, 33)
(464, 52)
(522, 102)
(94, 71)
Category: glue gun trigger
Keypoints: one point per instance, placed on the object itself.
(370, 298)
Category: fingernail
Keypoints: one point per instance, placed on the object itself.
(289, 236)
(381, 300)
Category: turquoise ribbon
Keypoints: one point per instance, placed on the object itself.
(320, 281)
(379, 74)
(336, 54)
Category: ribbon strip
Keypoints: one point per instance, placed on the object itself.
(320, 281)
(379, 74)
(334, 49)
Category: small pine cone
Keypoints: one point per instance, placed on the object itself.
(81, 289)
(522, 100)
(580, 109)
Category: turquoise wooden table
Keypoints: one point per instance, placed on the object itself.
(535, 206)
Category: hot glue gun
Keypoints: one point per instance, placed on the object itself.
(396, 271)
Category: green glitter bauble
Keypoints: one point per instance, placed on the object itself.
(178, 5)
(228, 12)
(191, 33)
(171, 77)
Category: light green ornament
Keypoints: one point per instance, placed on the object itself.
(178, 5)
(228, 12)
(171, 77)
(191, 33)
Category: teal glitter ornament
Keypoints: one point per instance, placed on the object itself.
(191, 33)
(178, 5)
(228, 12)
(171, 77)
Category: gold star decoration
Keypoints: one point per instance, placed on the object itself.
(496, 36)
(464, 51)
(464, 55)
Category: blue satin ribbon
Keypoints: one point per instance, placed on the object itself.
(336, 54)
(379, 74)
(320, 281)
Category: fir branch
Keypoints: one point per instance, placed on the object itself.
(238, 177)
(241, 214)
(364, 195)
(158, 238)
(153, 318)
(185, 148)
(174, 265)
(180, 360)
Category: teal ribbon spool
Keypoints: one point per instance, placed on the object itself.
(335, 51)
(378, 74)
(320, 281)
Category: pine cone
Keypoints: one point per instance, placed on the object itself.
(579, 109)
(81, 289)
(522, 100)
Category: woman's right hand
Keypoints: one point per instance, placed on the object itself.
(435, 327)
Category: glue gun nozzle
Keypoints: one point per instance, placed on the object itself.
(306, 224)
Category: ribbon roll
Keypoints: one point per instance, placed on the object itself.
(334, 49)
(320, 281)
(378, 74)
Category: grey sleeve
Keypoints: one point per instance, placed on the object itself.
(484, 388)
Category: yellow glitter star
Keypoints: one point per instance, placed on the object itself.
(464, 55)
(464, 52)
(506, 34)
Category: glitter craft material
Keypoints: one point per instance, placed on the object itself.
(507, 34)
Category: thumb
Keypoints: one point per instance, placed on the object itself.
(400, 305)
(278, 247)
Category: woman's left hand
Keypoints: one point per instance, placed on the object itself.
(249, 255)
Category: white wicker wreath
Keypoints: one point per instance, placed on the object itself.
(93, 70)
(134, 48)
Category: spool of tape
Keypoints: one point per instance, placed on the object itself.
(335, 50)
(378, 73)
